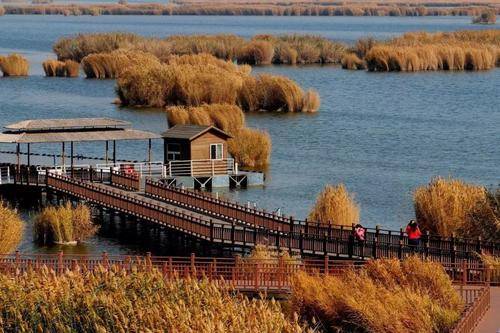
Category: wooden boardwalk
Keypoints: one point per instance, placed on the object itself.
(490, 323)
(230, 224)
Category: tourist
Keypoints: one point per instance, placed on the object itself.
(359, 233)
(414, 233)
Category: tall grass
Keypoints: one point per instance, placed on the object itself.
(67, 68)
(259, 50)
(385, 296)
(229, 118)
(64, 224)
(449, 206)
(110, 65)
(14, 65)
(460, 50)
(251, 147)
(11, 229)
(305, 8)
(352, 61)
(143, 301)
(335, 205)
(185, 80)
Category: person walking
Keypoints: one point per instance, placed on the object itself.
(414, 233)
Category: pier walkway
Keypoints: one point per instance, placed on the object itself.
(233, 225)
(490, 323)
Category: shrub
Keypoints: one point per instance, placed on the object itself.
(14, 65)
(142, 301)
(385, 296)
(11, 229)
(67, 68)
(335, 205)
(351, 61)
(310, 101)
(448, 206)
(64, 224)
(2, 11)
(251, 148)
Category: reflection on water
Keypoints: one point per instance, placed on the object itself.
(382, 134)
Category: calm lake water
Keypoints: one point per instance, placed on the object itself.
(382, 134)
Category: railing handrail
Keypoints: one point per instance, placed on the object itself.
(474, 311)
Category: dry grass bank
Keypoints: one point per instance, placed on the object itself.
(449, 206)
(67, 68)
(64, 224)
(460, 50)
(11, 229)
(335, 205)
(385, 296)
(184, 81)
(140, 302)
(347, 8)
(260, 50)
(14, 65)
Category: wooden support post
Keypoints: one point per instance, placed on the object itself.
(106, 153)
(150, 154)
(114, 151)
(326, 264)
(278, 241)
(72, 159)
(375, 242)
(63, 159)
(301, 242)
(211, 231)
(29, 156)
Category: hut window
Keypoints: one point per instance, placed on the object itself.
(173, 151)
(216, 151)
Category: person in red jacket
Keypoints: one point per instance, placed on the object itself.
(414, 233)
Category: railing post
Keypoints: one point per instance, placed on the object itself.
(291, 223)
(211, 231)
(278, 242)
(193, 267)
(257, 276)
(148, 261)
(427, 244)
(301, 241)
(105, 259)
(326, 264)
(325, 239)
(453, 249)
(232, 232)
(464, 272)
(350, 245)
(18, 259)
(60, 262)
(479, 245)
(375, 242)
(255, 235)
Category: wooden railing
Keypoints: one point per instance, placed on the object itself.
(203, 227)
(127, 181)
(233, 212)
(477, 302)
(242, 273)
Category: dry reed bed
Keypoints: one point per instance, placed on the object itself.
(354, 9)
(335, 205)
(64, 224)
(67, 68)
(485, 17)
(184, 81)
(14, 65)
(384, 296)
(452, 207)
(417, 51)
(111, 301)
(11, 229)
(260, 50)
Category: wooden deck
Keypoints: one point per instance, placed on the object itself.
(237, 226)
